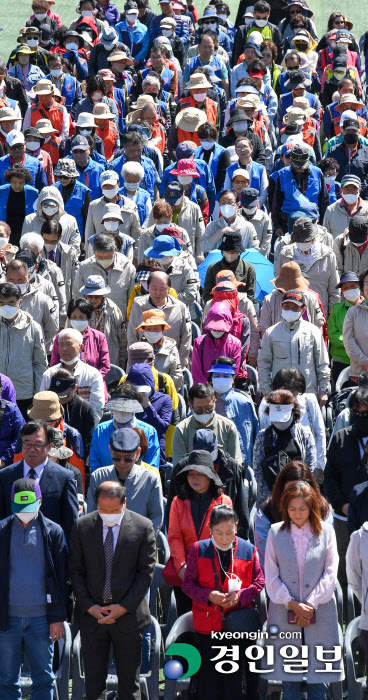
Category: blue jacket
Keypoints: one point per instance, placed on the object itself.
(257, 172)
(100, 455)
(91, 177)
(358, 165)
(140, 201)
(70, 89)
(166, 75)
(206, 180)
(214, 161)
(31, 195)
(289, 188)
(334, 192)
(240, 409)
(150, 174)
(75, 202)
(56, 573)
(9, 431)
(39, 179)
(59, 493)
(159, 414)
(119, 96)
(137, 40)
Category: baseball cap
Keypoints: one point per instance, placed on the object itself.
(184, 150)
(295, 297)
(130, 7)
(358, 229)
(125, 440)
(62, 387)
(25, 496)
(15, 137)
(79, 142)
(173, 193)
(205, 439)
(351, 179)
(109, 177)
(351, 124)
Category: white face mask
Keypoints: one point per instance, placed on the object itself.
(230, 257)
(79, 325)
(290, 316)
(185, 179)
(7, 311)
(160, 227)
(132, 187)
(106, 263)
(212, 26)
(304, 247)
(250, 210)
(132, 17)
(111, 225)
(261, 22)
(97, 96)
(56, 72)
(72, 47)
(352, 294)
(32, 43)
(223, 17)
(40, 17)
(207, 145)
(200, 96)
(282, 426)
(239, 127)
(70, 362)
(204, 417)
(87, 13)
(50, 210)
(167, 260)
(122, 417)
(330, 179)
(217, 334)
(167, 33)
(222, 384)
(110, 194)
(228, 210)
(32, 145)
(350, 198)
(3, 242)
(144, 389)
(110, 519)
(222, 549)
(23, 287)
(49, 247)
(26, 517)
(153, 337)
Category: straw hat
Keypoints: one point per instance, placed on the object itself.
(102, 111)
(156, 317)
(348, 99)
(290, 277)
(198, 80)
(190, 119)
(46, 406)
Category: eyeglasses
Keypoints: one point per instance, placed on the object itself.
(361, 414)
(241, 149)
(36, 445)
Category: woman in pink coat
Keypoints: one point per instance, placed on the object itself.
(95, 350)
(215, 342)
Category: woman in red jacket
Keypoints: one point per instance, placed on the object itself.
(200, 490)
(223, 575)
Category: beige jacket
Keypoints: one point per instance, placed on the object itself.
(44, 311)
(347, 256)
(336, 218)
(355, 338)
(322, 274)
(324, 237)
(113, 326)
(120, 278)
(224, 429)
(53, 273)
(184, 278)
(299, 345)
(263, 226)
(68, 265)
(177, 316)
(33, 222)
(167, 361)
(191, 220)
(245, 307)
(129, 212)
(271, 310)
(148, 236)
(245, 228)
(22, 354)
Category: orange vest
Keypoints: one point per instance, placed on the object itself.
(309, 131)
(211, 109)
(55, 114)
(159, 132)
(362, 125)
(52, 147)
(108, 135)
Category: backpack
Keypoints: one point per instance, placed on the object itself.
(274, 460)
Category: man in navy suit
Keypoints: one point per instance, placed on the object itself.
(59, 491)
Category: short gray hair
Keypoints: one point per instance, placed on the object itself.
(132, 168)
(73, 332)
(151, 80)
(103, 243)
(31, 239)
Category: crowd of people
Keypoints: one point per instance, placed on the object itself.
(156, 401)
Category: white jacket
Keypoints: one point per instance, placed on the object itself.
(355, 338)
(357, 570)
(89, 380)
(241, 225)
(42, 309)
(33, 222)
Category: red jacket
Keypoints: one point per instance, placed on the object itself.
(182, 533)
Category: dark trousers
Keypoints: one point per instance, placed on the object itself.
(126, 641)
(23, 404)
(337, 367)
(183, 602)
(342, 539)
(363, 641)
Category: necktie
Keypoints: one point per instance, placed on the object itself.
(32, 474)
(109, 554)
(52, 256)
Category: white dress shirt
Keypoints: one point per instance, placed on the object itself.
(115, 530)
(38, 470)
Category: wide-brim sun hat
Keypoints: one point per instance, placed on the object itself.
(190, 119)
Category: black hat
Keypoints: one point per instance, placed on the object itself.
(27, 256)
(350, 124)
(174, 192)
(71, 33)
(201, 461)
(62, 387)
(125, 440)
(32, 131)
(249, 197)
(358, 229)
(339, 62)
(293, 128)
(238, 115)
(300, 156)
(296, 78)
(303, 230)
(233, 242)
(130, 5)
(295, 296)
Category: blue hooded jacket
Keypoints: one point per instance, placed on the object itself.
(158, 414)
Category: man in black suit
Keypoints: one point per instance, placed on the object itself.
(111, 563)
(59, 491)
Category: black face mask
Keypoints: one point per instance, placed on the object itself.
(361, 425)
(301, 45)
(351, 139)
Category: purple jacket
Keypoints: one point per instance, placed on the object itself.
(7, 388)
(111, 13)
(9, 431)
(94, 353)
(206, 348)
